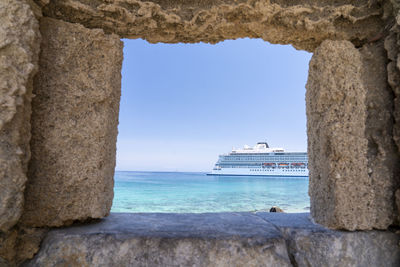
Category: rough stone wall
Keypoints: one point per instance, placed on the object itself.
(19, 49)
(365, 142)
(74, 125)
(302, 23)
(19, 244)
(382, 154)
(340, 189)
(350, 129)
(392, 44)
(362, 146)
(353, 126)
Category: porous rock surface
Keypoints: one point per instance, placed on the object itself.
(340, 189)
(352, 155)
(383, 161)
(19, 50)
(219, 239)
(353, 123)
(74, 125)
(392, 43)
(19, 244)
(302, 23)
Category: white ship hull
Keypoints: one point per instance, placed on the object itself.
(260, 172)
(261, 160)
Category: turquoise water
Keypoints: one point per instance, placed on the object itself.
(197, 192)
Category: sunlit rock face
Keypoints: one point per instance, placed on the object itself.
(304, 24)
(74, 125)
(340, 188)
(350, 134)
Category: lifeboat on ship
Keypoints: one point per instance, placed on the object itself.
(269, 165)
(283, 165)
(298, 165)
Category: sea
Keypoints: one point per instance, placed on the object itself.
(183, 192)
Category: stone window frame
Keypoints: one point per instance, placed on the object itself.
(306, 27)
(355, 49)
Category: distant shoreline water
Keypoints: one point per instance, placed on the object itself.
(195, 192)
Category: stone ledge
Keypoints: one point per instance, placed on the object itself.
(217, 239)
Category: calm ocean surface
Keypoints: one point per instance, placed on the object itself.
(197, 192)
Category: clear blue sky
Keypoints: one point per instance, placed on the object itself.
(184, 104)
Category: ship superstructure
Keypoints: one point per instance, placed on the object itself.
(262, 160)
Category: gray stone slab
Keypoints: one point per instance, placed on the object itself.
(311, 244)
(179, 225)
(214, 239)
(291, 220)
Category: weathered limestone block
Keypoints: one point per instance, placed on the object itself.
(8, 242)
(353, 158)
(19, 244)
(28, 243)
(392, 46)
(340, 188)
(19, 50)
(219, 239)
(304, 24)
(74, 125)
(382, 154)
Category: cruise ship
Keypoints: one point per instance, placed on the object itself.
(261, 160)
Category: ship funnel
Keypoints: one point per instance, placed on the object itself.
(263, 143)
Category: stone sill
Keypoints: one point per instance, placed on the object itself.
(214, 239)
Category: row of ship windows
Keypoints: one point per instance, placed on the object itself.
(270, 170)
(259, 167)
(268, 154)
(259, 163)
(265, 158)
